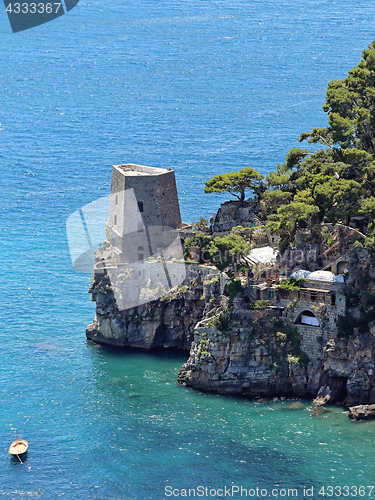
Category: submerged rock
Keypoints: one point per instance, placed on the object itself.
(318, 410)
(296, 405)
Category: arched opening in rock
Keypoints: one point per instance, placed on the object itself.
(307, 318)
(337, 385)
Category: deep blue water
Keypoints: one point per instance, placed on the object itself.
(204, 87)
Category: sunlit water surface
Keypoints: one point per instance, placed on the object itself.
(203, 87)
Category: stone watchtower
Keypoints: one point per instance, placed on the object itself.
(144, 211)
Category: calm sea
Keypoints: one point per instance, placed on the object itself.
(201, 86)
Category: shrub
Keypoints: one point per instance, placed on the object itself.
(200, 225)
(291, 284)
(222, 320)
(259, 305)
(293, 360)
(234, 288)
(281, 338)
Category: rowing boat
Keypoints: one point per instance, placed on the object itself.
(18, 447)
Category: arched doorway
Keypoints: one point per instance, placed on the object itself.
(307, 318)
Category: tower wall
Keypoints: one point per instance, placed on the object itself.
(143, 209)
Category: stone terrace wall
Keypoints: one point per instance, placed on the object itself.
(313, 337)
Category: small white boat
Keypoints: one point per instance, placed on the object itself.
(18, 448)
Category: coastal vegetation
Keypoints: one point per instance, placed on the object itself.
(312, 192)
(222, 251)
(332, 184)
(291, 284)
(236, 183)
(247, 329)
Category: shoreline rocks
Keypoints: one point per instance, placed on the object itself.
(235, 349)
(362, 412)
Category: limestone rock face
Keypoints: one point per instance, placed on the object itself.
(348, 368)
(238, 350)
(168, 322)
(248, 361)
(244, 360)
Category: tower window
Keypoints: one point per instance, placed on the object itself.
(115, 219)
(140, 206)
(141, 254)
(116, 199)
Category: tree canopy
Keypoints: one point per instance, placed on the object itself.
(337, 181)
(236, 183)
(331, 184)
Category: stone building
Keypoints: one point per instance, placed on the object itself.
(145, 256)
(144, 211)
(314, 310)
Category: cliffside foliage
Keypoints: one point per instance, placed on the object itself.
(236, 183)
(291, 284)
(259, 305)
(332, 184)
(349, 325)
(148, 293)
(204, 347)
(222, 321)
(200, 225)
(289, 342)
(337, 181)
(234, 288)
(220, 251)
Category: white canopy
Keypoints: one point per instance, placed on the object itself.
(302, 273)
(322, 276)
(309, 320)
(262, 255)
(340, 278)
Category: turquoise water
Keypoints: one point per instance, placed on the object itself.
(202, 87)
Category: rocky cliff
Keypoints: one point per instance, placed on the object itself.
(260, 357)
(259, 354)
(167, 322)
(242, 351)
(235, 348)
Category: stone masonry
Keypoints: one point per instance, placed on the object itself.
(144, 209)
(324, 301)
